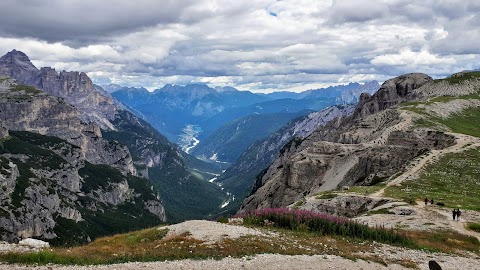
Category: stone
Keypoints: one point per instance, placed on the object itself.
(34, 243)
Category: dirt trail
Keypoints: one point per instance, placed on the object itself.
(458, 226)
(463, 142)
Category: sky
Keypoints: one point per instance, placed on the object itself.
(256, 45)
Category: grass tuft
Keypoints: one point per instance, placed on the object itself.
(474, 226)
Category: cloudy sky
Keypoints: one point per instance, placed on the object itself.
(257, 45)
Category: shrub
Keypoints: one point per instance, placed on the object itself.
(323, 224)
(473, 226)
(222, 219)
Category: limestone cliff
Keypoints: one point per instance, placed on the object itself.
(60, 180)
(240, 177)
(25, 108)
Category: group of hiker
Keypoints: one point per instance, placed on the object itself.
(456, 214)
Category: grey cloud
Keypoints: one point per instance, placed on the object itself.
(84, 20)
(356, 11)
(239, 43)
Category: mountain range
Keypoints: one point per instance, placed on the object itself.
(174, 109)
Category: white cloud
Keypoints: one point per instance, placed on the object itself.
(411, 58)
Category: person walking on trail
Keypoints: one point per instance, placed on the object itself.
(458, 214)
(454, 213)
(426, 201)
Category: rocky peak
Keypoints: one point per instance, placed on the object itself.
(352, 96)
(17, 58)
(392, 92)
(75, 87)
(16, 64)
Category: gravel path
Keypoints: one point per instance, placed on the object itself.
(276, 262)
(264, 262)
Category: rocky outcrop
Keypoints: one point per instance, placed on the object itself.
(28, 109)
(16, 64)
(75, 87)
(59, 176)
(375, 142)
(50, 192)
(106, 132)
(344, 205)
(392, 92)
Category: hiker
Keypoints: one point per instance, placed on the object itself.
(458, 214)
(426, 201)
(454, 213)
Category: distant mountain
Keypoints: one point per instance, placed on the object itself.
(110, 88)
(228, 142)
(268, 107)
(345, 94)
(352, 96)
(283, 95)
(173, 107)
(173, 172)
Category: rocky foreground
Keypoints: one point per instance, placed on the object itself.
(213, 233)
(275, 262)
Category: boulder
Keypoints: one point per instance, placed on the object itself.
(34, 243)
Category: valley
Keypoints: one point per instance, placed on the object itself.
(189, 137)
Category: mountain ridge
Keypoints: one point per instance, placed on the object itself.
(373, 143)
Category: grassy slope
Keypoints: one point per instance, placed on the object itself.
(453, 180)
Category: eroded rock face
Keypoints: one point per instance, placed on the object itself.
(42, 191)
(241, 175)
(49, 115)
(392, 92)
(376, 141)
(344, 205)
(100, 123)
